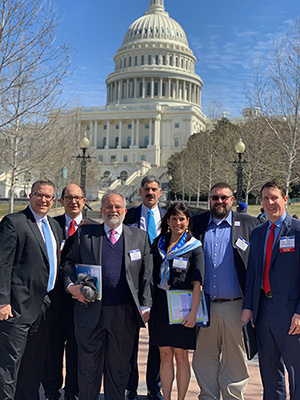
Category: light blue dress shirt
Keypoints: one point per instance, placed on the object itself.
(221, 279)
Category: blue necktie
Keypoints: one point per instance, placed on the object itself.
(151, 228)
(50, 252)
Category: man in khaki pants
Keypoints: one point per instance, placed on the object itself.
(219, 359)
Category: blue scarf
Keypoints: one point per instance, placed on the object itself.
(180, 248)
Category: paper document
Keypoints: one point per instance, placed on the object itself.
(180, 303)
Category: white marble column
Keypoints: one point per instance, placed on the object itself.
(127, 88)
(107, 134)
(137, 142)
(150, 132)
(169, 89)
(160, 88)
(120, 135)
(152, 88)
(157, 131)
(95, 133)
(144, 88)
(132, 132)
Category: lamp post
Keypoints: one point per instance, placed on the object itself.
(84, 145)
(240, 149)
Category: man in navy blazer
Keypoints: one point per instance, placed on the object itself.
(272, 300)
(219, 360)
(27, 277)
(150, 192)
(105, 329)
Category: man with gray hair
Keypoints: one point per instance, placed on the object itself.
(105, 329)
(146, 216)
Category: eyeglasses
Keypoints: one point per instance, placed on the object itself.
(223, 198)
(40, 195)
(71, 198)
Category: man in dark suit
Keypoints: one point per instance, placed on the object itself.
(219, 360)
(272, 298)
(62, 337)
(29, 260)
(105, 329)
(150, 192)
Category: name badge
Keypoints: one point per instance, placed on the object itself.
(135, 225)
(135, 255)
(180, 263)
(242, 244)
(62, 246)
(237, 223)
(287, 244)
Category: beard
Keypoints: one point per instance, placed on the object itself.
(113, 220)
(220, 210)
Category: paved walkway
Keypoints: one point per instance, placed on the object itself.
(253, 390)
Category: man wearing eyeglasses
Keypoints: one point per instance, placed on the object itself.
(219, 360)
(29, 259)
(62, 335)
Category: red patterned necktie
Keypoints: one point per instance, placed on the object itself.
(269, 248)
(71, 228)
(112, 237)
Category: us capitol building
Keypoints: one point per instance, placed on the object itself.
(153, 98)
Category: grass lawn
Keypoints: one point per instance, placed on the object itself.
(291, 209)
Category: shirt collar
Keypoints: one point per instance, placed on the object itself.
(216, 221)
(78, 219)
(279, 222)
(145, 209)
(37, 217)
(118, 229)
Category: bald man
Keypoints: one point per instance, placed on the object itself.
(62, 336)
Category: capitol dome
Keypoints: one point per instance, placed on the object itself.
(155, 24)
(154, 63)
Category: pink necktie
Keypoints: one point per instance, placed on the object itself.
(112, 237)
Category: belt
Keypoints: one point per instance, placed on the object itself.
(268, 294)
(223, 300)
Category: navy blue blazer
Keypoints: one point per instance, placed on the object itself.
(242, 225)
(284, 271)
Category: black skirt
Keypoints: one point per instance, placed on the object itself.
(162, 333)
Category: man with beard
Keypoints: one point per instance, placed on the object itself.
(219, 360)
(146, 216)
(105, 329)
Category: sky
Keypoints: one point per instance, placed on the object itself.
(228, 38)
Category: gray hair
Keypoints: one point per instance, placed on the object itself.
(110, 193)
(149, 179)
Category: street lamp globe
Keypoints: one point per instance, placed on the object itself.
(84, 142)
(240, 147)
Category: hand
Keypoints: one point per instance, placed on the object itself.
(295, 325)
(146, 315)
(246, 316)
(189, 320)
(5, 312)
(75, 291)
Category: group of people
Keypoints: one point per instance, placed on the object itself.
(247, 270)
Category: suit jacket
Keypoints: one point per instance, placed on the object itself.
(61, 301)
(24, 265)
(242, 225)
(85, 247)
(284, 271)
(133, 215)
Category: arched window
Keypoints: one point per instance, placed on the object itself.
(142, 60)
(128, 141)
(149, 59)
(155, 88)
(146, 141)
(156, 60)
(123, 175)
(107, 175)
(104, 141)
